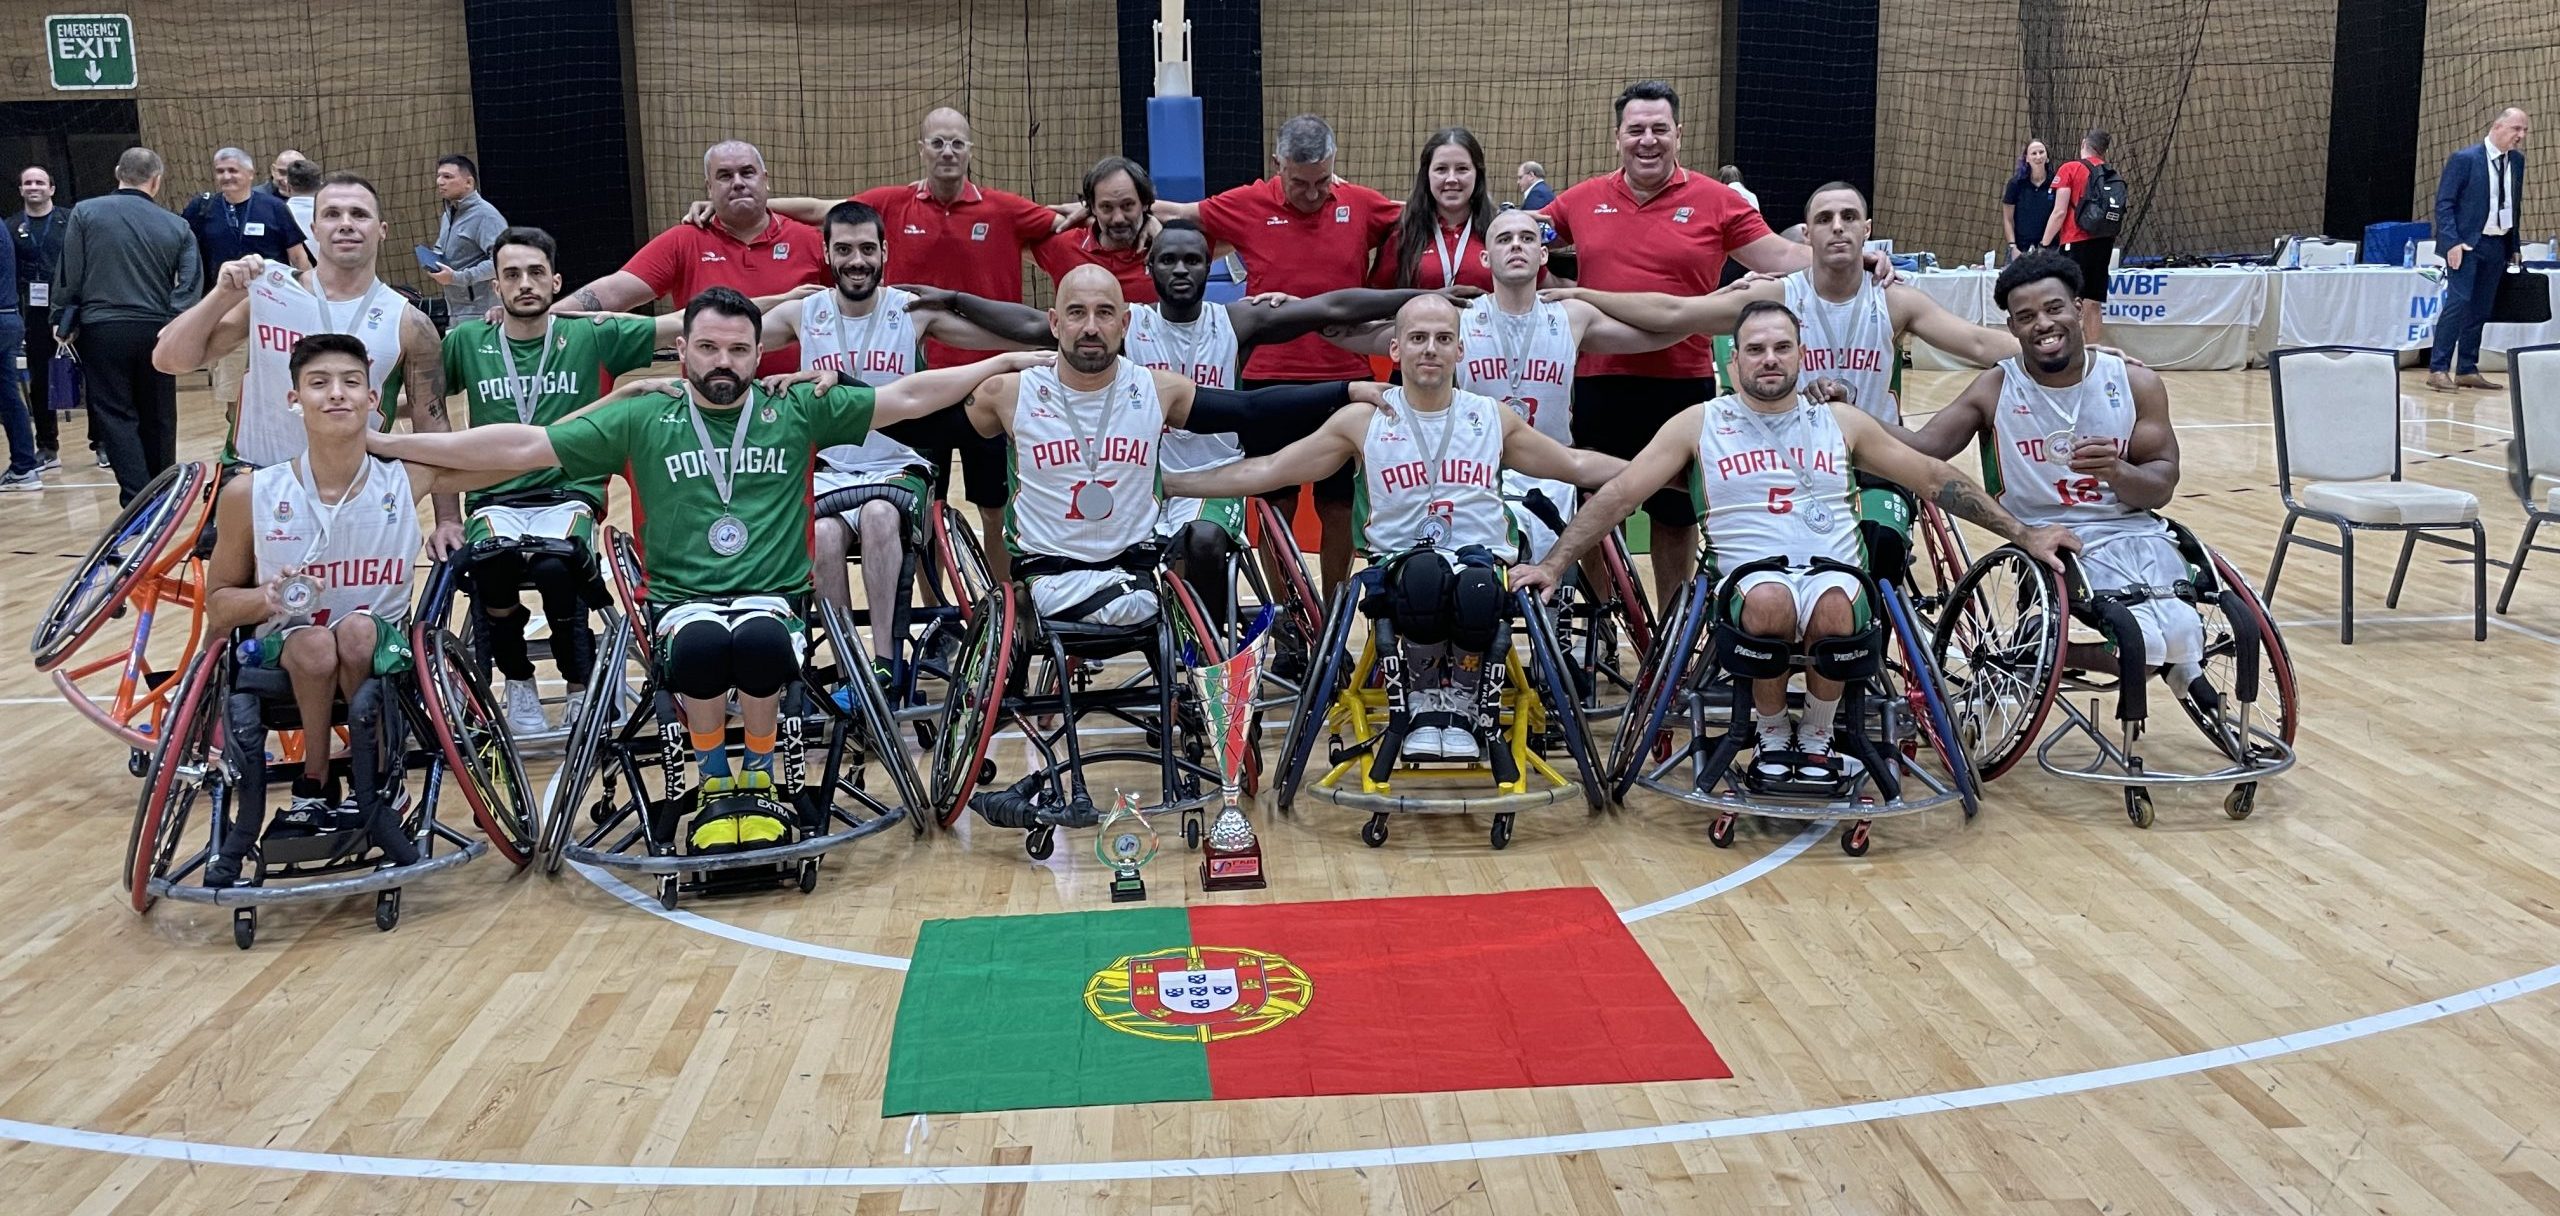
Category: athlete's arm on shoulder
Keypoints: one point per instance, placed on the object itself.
(1529, 450)
(2146, 476)
(1715, 312)
(620, 291)
(1774, 254)
(1915, 313)
(1601, 333)
(922, 393)
(1308, 459)
(1658, 465)
(232, 598)
(941, 311)
(1874, 449)
(1296, 318)
(508, 447)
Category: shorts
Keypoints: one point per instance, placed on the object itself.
(1094, 597)
(1179, 513)
(732, 658)
(391, 654)
(1334, 487)
(560, 521)
(984, 462)
(2092, 255)
(1807, 586)
(731, 612)
(1535, 536)
(228, 373)
(2112, 560)
(906, 489)
(1619, 415)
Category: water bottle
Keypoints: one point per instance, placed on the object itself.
(2409, 256)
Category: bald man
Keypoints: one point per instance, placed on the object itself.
(276, 169)
(1429, 513)
(746, 247)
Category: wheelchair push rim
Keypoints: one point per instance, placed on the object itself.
(579, 760)
(140, 544)
(1998, 654)
(182, 767)
(974, 703)
(472, 735)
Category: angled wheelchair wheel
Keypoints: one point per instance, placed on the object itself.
(622, 569)
(1927, 695)
(959, 564)
(1998, 654)
(1626, 592)
(974, 705)
(582, 753)
(1554, 674)
(1284, 576)
(471, 733)
(142, 540)
(2227, 651)
(1645, 729)
(1943, 563)
(874, 725)
(183, 769)
(1329, 666)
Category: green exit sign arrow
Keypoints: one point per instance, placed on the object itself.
(90, 50)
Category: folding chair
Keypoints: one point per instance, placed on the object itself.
(2344, 433)
(2533, 390)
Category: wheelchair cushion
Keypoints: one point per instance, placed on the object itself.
(2390, 502)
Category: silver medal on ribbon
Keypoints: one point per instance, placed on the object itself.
(2058, 445)
(300, 594)
(1094, 500)
(728, 536)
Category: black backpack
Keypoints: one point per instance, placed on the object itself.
(2101, 214)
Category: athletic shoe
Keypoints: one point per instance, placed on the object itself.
(223, 871)
(307, 816)
(1821, 760)
(715, 834)
(573, 707)
(1776, 754)
(101, 454)
(884, 673)
(32, 479)
(1457, 744)
(48, 460)
(524, 709)
(756, 830)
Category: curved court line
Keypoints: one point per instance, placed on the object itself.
(1277, 1163)
(1811, 835)
(613, 885)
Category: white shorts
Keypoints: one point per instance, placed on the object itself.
(1535, 537)
(1053, 594)
(2113, 560)
(559, 521)
(1807, 586)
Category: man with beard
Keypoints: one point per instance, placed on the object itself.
(1207, 346)
(1118, 195)
(2077, 436)
(340, 295)
(733, 239)
(537, 369)
(719, 469)
(1428, 508)
(1773, 473)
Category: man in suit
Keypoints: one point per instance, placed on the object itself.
(2476, 211)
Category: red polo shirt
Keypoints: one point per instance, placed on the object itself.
(1674, 242)
(974, 244)
(2074, 177)
(1079, 246)
(681, 261)
(1304, 255)
(1472, 272)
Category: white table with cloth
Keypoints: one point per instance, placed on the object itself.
(2385, 307)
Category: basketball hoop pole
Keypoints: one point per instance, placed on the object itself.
(1175, 155)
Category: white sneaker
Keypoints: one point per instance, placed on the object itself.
(1819, 754)
(1457, 744)
(524, 709)
(573, 707)
(32, 479)
(1772, 757)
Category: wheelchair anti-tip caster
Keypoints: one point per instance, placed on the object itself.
(1720, 829)
(1854, 841)
(244, 927)
(808, 875)
(1191, 830)
(1502, 831)
(1041, 842)
(1374, 832)
(2242, 799)
(667, 892)
(386, 910)
(2137, 806)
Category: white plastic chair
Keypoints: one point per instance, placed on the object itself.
(2343, 436)
(2321, 251)
(2541, 251)
(2533, 455)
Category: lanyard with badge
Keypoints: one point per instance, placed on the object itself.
(329, 323)
(1094, 500)
(299, 591)
(1449, 255)
(728, 533)
(1435, 528)
(1817, 514)
(39, 230)
(527, 395)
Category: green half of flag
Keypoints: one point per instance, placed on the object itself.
(1350, 997)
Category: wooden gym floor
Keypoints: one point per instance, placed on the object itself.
(2339, 1005)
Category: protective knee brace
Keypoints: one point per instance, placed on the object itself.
(1475, 608)
(1419, 593)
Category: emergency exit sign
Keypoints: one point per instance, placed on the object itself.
(90, 50)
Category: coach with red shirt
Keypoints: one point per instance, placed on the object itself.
(2095, 254)
(1655, 226)
(746, 246)
(1110, 229)
(1302, 232)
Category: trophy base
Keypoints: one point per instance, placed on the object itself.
(1231, 869)
(1127, 887)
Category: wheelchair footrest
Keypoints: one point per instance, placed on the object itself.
(293, 848)
(739, 823)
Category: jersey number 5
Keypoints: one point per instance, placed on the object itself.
(1779, 501)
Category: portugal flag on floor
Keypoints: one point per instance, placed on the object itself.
(1284, 1000)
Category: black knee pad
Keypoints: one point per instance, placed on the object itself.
(1853, 657)
(495, 578)
(698, 660)
(1419, 591)
(1475, 608)
(760, 657)
(1204, 544)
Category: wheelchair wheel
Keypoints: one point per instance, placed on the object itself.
(958, 561)
(184, 767)
(2222, 662)
(176, 504)
(974, 704)
(1327, 668)
(1998, 654)
(583, 752)
(622, 561)
(472, 734)
(1284, 575)
(1634, 613)
(1554, 675)
(1928, 700)
(877, 727)
(1649, 706)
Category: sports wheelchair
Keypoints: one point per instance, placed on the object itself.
(527, 550)
(632, 823)
(1698, 680)
(437, 717)
(942, 561)
(1046, 675)
(2003, 645)
(1530, 707)
(1604, 624)
(149, 565)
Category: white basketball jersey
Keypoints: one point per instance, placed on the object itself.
(1775, 484)
(1203, 352)
(1084, 465)
(2035, 427)
(1435, 476)
(1525, 362)
(362, 550)
(1851, 342)
(876, 350)
(281, 311)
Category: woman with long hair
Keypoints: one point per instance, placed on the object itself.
(2028, 201)
(1439, 240)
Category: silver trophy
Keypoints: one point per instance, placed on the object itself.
(1231, 858)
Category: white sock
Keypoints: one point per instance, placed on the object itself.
(1817, 719)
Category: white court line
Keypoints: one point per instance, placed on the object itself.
(194, 1153)
(2219, 426)
(1806, 839)
(613, 884)
(2477, 464)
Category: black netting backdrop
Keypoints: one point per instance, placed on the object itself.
(2483, 56)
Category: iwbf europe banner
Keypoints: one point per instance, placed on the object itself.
(1284, 1000)
(2186, 297)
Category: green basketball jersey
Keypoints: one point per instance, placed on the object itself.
(676, 506)
(566, 377)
